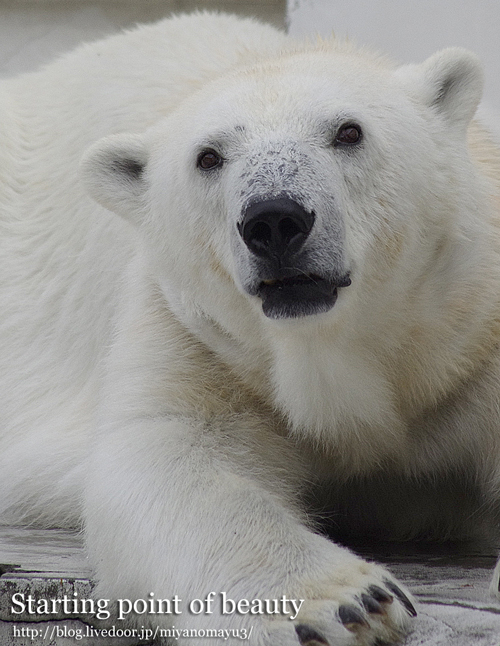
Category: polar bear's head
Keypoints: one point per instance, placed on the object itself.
(299, 183)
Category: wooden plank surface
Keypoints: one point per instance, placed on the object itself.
(451, 587)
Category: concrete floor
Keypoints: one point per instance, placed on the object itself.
(33, 32)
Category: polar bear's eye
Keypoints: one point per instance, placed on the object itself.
(348, 134)
(209, 159)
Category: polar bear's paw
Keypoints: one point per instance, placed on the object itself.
(377, 613)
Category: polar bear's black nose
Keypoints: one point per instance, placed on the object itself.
(271, 228)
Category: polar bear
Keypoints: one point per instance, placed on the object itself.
(278, 302)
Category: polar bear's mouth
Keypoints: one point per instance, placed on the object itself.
(303, 279)
(298, 296)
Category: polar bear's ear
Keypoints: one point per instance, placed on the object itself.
(450, 81)
(113, 174)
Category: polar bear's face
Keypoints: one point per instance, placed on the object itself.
(296, 182)
(274, 176)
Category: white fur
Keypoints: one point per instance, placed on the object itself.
(143, 386)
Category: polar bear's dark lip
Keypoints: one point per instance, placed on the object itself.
(298, 296)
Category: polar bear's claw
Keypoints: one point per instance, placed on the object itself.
(409, 607)
(352, 617)
(371, 605)
(380, 595)
(308, 636)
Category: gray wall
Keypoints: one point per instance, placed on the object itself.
(410, 30)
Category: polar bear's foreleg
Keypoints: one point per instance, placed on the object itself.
(179, 508)
(192, 491)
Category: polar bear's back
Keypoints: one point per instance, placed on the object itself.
(127, 81)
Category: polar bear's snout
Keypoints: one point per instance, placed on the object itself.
(275, 229)
(287, 282)
(288, 237)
